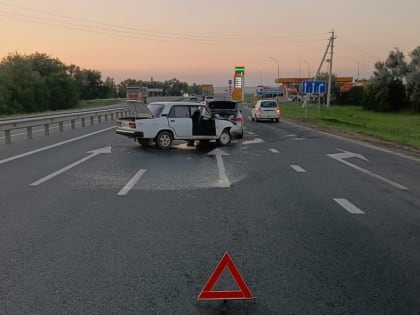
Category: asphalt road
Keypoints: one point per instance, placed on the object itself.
(314, 224)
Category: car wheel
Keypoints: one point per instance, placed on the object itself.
(278, 119)
(164, 140)
(225, 137)
(241, 135)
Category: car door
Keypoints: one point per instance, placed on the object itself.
(180, 121)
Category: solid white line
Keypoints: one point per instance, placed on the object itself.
(298, 169)
(351, 208)
(371, 146)
(64, 169)
(53, 146)
(274, 151)
(386, 180)
(126, 189)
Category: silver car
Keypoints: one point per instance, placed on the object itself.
(265, 109)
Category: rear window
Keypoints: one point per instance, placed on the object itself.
(156, 109)
(268, 104)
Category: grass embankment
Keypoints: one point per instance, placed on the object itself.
(95, 103)
(401, 128)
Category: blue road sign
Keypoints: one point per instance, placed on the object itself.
(230, 82)
(314, 87)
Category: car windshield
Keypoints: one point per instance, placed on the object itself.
(156, 109)
(268, 104)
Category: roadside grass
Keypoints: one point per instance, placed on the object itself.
(402, 128)
(96, 103)
(81, 105)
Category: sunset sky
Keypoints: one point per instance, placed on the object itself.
(202, 41)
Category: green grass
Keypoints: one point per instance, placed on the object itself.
(402, 128)
(95, 103)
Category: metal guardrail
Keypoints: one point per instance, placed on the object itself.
(29, 123)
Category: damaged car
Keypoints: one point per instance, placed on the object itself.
(164, 122)
(229, 110)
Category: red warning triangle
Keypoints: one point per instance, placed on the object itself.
(208, 294)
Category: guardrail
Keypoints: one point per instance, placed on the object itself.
(46, 121)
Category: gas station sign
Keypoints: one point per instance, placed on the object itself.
(238, 84)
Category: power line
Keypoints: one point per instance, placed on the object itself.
(91, 26)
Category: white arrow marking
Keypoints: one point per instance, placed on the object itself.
(131, 183)
(348, 206)
(64, 169)
(345, 155)
(223, 179)
(274, 150)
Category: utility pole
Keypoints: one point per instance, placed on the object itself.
(330, 69)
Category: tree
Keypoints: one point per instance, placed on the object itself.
(88, 82)
(353, 97)
(413, 80)
(23, 89)
(34, 83)
(386, 90)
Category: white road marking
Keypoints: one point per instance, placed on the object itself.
(342, 156)
(54, 145)
(223, 179)
(64, 169)
(126, 189)
(351, 208)
(251, 133)
(274, 151)
(256, 140)
(298, 139)
(298, 169)
(289, 136)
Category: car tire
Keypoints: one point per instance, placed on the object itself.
(277, 119)
(225, 138)
(241, 135)
(164, 140)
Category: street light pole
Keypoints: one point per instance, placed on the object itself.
(278, 71)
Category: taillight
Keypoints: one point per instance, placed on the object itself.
(258, 111)
(278, 111)
(132, 124)
(119, 124)
(238, 119)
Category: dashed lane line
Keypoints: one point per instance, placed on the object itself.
(298, 169)
(347, 205)
(126, 189)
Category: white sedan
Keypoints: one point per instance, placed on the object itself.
(164, 122)
(265, 109)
